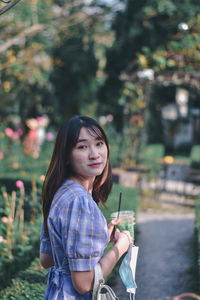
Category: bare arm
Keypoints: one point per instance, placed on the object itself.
(109, 260)
(46, 260)
(83, 281)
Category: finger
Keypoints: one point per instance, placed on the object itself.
(116, 235)
(114, 222)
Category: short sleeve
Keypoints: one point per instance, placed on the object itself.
(85, 234)
(45, 244)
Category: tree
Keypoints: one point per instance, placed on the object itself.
(24, 56)
(147, 36)
(73, 74)
(33, 34)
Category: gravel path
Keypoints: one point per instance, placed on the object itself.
(166, 255)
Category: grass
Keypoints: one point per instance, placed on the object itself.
(129, 200)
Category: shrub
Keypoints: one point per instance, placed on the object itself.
(20, 225)
(29, 284)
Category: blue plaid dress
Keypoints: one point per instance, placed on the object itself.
(78, 236)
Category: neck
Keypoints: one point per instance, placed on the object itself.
(87, 183)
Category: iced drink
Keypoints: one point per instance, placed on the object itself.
(126, 221)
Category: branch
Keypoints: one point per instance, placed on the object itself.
(8, 6)
(33, 29)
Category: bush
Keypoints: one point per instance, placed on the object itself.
(20, 225)
(29, 284)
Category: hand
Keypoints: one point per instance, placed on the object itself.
(123, 240)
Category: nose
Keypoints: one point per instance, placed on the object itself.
(93, 153)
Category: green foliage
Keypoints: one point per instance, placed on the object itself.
(16, 165)
(195, 156)
(154, 126)
(129, 200)
(73, 73)
(151, 157)
(152, 152)
(19, 227)
(29, 284)
(33, 33)
(147, 36)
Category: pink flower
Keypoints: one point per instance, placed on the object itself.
(42, 177)
(35, 154)
(49, 136)
(40, 119)
(1, 155)
(19, 184)
(15, 135)
(15, 165)
(7, 219)
(9, 132)
(109, 118)
(102, 120)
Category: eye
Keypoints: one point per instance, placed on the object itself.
(82, 146)
(100, 143)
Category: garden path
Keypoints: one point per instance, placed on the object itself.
(165, 265)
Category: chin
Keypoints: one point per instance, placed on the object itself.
(97, 173)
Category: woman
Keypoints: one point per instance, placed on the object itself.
(75, 233)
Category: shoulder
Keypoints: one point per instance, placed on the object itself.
(73, 195)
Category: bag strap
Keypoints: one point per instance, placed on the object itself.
(98, 278)
(109, 291)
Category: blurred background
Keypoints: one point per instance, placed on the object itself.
(133, 65)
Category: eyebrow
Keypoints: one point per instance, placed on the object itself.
(81, 140)
(85, 140)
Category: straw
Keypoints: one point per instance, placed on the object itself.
(120, 200)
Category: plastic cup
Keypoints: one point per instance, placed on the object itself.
(126, 221)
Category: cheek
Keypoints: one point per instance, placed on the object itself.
(73, 160)
(77, 162)
(105, 154)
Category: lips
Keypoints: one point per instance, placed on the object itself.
(95, 165)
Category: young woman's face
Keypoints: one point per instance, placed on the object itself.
(89, 156)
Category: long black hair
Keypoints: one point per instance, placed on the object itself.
(59, 169)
